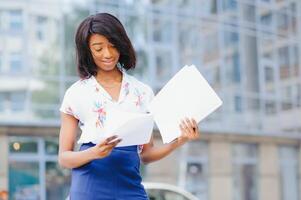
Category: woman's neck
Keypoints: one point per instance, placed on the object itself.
(112, 76)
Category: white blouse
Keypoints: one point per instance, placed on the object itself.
(89, 102)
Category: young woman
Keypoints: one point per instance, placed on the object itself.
(100, 170)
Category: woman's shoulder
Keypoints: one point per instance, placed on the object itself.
(78, 86)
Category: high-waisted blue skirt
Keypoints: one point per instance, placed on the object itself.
(114, 177)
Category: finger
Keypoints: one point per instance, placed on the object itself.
(189, 125)
(114, 143)
(107, 140)
(195, 124)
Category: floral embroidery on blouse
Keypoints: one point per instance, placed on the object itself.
(139, 96)
(96, 88)
(101, 114)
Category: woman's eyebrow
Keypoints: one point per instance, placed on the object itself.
(97, 43)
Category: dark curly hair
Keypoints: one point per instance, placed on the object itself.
(110, 27)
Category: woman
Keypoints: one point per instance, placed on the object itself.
(100, 170)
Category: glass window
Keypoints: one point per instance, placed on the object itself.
(197, 169)
(268, 74)
(230, 38)
(162, 30)
(284, 62)
(57, 181)
(2, 101)
(163, 65)
(286, 97)
(229, 4)
(23, 145)
(289, 172)
(24, 180)
(41, 31)
(16, 22)
(249, 13)
(270, 107)
(37, 163)
(238, 103)
(1, 62)
(211, 46)
(16, 63)
(298, 95)
(245, 171)
(18, 101)
(233, 68)
(282, 21)
(51, 146)
(266, 19)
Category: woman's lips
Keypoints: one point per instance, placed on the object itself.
(108, 61)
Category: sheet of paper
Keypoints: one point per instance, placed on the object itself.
(187, 94)
(132, 128)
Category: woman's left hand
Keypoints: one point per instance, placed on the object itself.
(189, 130)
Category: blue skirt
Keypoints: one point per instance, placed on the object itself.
(116, 176)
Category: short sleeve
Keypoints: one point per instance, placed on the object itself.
(68, 106)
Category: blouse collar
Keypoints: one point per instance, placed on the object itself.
(124, 90)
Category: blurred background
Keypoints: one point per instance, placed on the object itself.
(248, 50)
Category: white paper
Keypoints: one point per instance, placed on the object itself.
(132, 128)
(187, 94)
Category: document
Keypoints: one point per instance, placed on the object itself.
(187, 94)
(132, 128)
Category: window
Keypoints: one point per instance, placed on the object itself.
(162, 30)
(233, 68)
(196, 169)
(18, 101)
(245, 171)
(298, 95)
(15, 20)
(289, 172)
(229, 4)
(286, 95)
(282, 21)
(163, 65)
(238, 103)
(268, 74)
(1, 62)
(266, 19)
(41, 31)
(3, 97)
(230, 38)
(33, 169)
(284, 62)
(16, 63)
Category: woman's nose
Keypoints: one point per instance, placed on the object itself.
(107, 53)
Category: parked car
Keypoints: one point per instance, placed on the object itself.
(163, 191)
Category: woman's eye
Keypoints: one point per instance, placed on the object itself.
(98, 49)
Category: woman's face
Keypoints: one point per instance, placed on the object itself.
(104, 53)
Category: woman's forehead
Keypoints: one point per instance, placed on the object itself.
(97, 39)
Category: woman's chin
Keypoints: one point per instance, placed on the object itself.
(108, 67)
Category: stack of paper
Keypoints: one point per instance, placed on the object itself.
(187, 94)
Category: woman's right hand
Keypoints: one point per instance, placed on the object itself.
(104, 148)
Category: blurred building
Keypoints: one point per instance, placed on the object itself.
(248, 51)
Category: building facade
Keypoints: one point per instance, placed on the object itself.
(247, 50)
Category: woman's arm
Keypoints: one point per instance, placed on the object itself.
(189, 129)
(71, 159)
